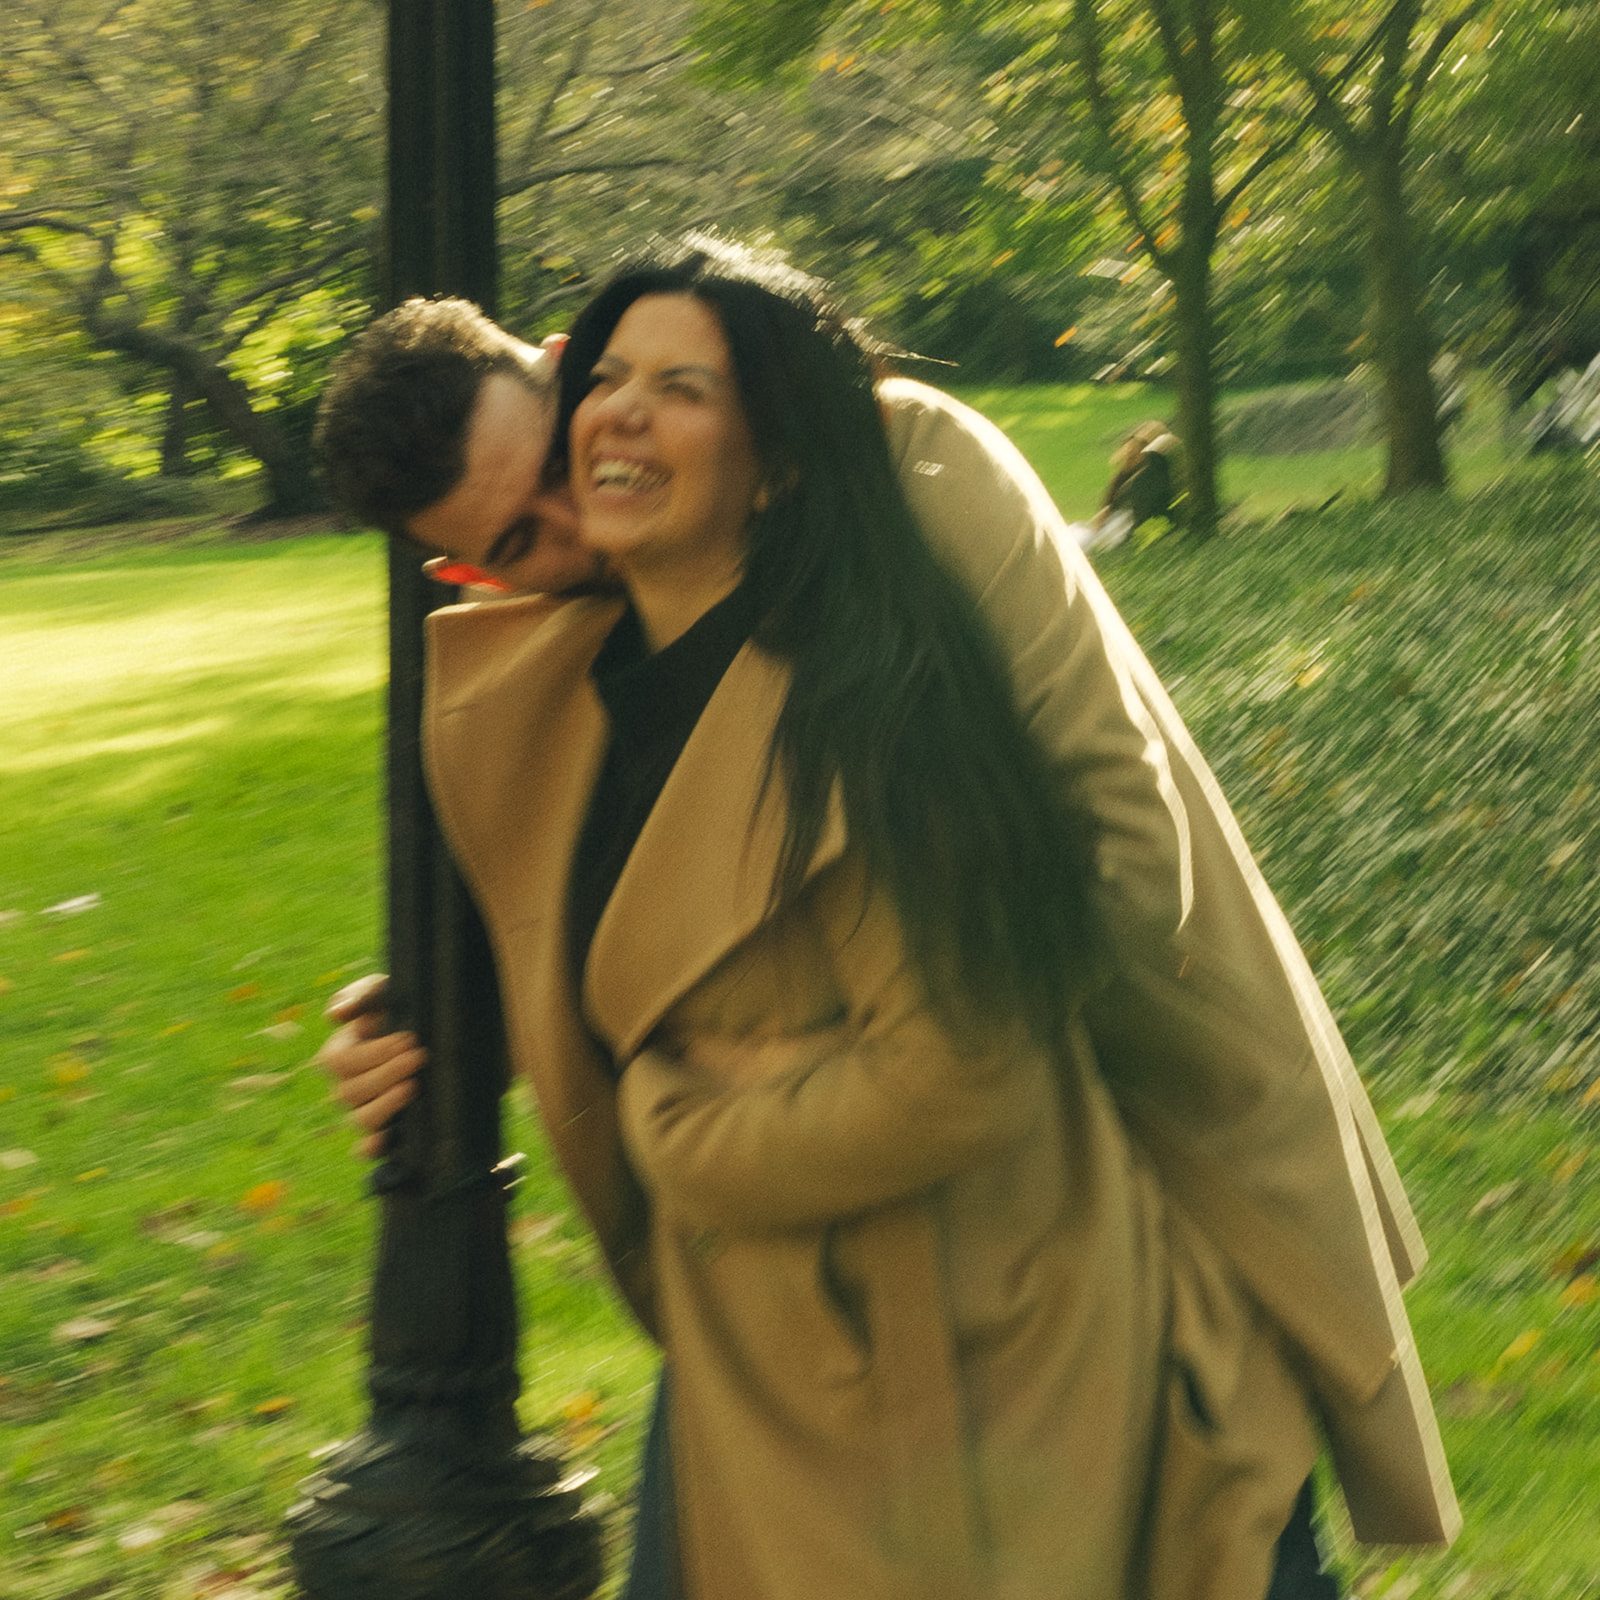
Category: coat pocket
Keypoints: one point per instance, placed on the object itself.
(1236, 1439)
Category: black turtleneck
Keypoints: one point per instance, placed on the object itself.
(652, 703)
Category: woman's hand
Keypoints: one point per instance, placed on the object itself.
(373, 1073)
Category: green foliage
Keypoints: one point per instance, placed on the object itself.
(751, 44)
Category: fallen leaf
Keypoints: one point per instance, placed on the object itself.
(1493, 1199)
(82, 1330)
(172, 1028)
(1520, 1346)
(530, 1230)
(1584, 1290)
(290, 1014)
(71, 908)
(8, 917)
(271, 1410)
(158, 1224)
(139, 1537)
(1561, 856)
(16, 1160)
(70, 955)
(6, 986)
(91, 1174)
(264, 1197)
(70, 1519)
(1573, 1260)
(201, 1239)
(67, 1069)
(581, 1419)
(179, 1514)
(1472, 1397)
(245, 991)
(1569, 1168)
(279, 1030)
(259, 1080)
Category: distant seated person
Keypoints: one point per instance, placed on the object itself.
(1144, 484)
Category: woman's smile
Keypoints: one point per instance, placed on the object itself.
(664, 471)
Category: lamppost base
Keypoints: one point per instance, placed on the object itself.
(418, 1506)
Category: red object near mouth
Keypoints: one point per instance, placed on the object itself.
(460, 572)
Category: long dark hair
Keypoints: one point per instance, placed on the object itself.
(898, 692)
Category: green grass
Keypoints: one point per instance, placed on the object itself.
(192, 736)
(1068, 432)
(1403, 703)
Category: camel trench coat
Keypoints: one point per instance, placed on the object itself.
(935, 1332)
(1223, 1061)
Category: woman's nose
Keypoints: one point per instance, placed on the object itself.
(623, 407)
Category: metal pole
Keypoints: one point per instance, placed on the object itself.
(440, 1496)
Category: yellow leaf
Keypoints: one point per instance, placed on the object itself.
(1569, 1168)
(67, 1070)
(1066, 338)
(70, 955)
(1310, 675)
(6, 986)
(91, 1174)
(245, 991)
(176, 1027)
(264, 1197)
(269, 1409)
(1591, 1094)
(1520, 1346)
(1584, 1290)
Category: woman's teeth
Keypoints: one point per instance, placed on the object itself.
(628, 475)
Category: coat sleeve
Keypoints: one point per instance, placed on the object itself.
(1223, 1057)
(992, 524)
(893, 1103)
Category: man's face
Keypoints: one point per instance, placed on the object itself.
(500, 517)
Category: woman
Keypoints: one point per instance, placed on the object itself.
(793, 933)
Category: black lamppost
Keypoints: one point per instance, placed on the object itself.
(440, 1496)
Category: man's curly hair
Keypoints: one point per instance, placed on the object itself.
(391, 428)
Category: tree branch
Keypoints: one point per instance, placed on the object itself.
(1424, 69)
(638, 67)
(15, 221)
(1103, 118)
(291, 277)
(576, 59)
(577, 169)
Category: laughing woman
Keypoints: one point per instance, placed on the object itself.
(794, 931)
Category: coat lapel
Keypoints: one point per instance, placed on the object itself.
(700, 878)
(515, 738)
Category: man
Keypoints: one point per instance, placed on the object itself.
(1223, 1057)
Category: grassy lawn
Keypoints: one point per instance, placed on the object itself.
(1068, 431)
(1403, 703)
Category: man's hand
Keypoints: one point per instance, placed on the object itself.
(373, 1073)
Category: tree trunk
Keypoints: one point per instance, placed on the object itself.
(1197, 390)
(1402, 341)
(292, 490)
(175, 461)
